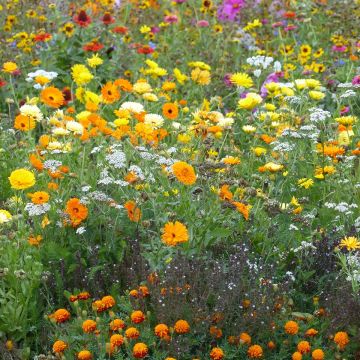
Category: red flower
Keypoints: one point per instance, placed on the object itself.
(67, 94)
(120, 30)
(82, 18)
(42, 37)
(107, 19)
(93, 46)
(146, 49)
(289, 15)
(2, 83)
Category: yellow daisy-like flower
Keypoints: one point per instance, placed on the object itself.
(174, 233)
(180, 77)
(250, 101)
(94, 61)
(350, 243)
(81, 74)
(316, 95)
(5, 216)
(346, 120)
(22, 179)
(202, 77)
(305, 183)
(9, 67)
(241, 79)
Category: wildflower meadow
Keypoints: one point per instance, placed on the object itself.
(180, 179)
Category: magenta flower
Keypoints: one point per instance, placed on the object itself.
(202, 23)
(356, 80)
(230, 9)
(171, 19)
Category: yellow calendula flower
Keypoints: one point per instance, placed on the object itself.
(81, 74)
(94, 61)
(250, 101)
(142, 87)
(199, 64)
(346, 120)
(179, 76)
(202, 77)
(316, 95)
(344, 138)
(9, 67)
(258, 151)
(22, 179)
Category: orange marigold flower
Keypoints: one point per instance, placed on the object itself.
(24, 123)
(59, 346)
(117, 339)
(215, 332)
(144, 290)
(182, 327)
(225, 193)
(170, 111)
(108, 301)
(304, 347)
(40, 197)
(174, 233)
(341, 339)
(89, 326)
(140, 350)
(216, 353)
(291, 327)
(161, 330)
(242, 209)
(271, 345)
(77, 211)
(52, 97)
(117, 324)
(35, 240)
(36, 162)
(231, 160)
(132, 333)
(134, 213)
(84, 355)
(296, 356)
(184, 173)
(311, 332)
(134, 293)
(330, 150)
(137, 317)
(53, 186)
(110, 93)
(61, 315)
(99, 306)
(318, 354)
(83, 296)
(123, 84)
(255, 351)
(245, 338)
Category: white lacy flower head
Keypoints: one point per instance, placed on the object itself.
(37, 209)
(50, 75)
(117, 159)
